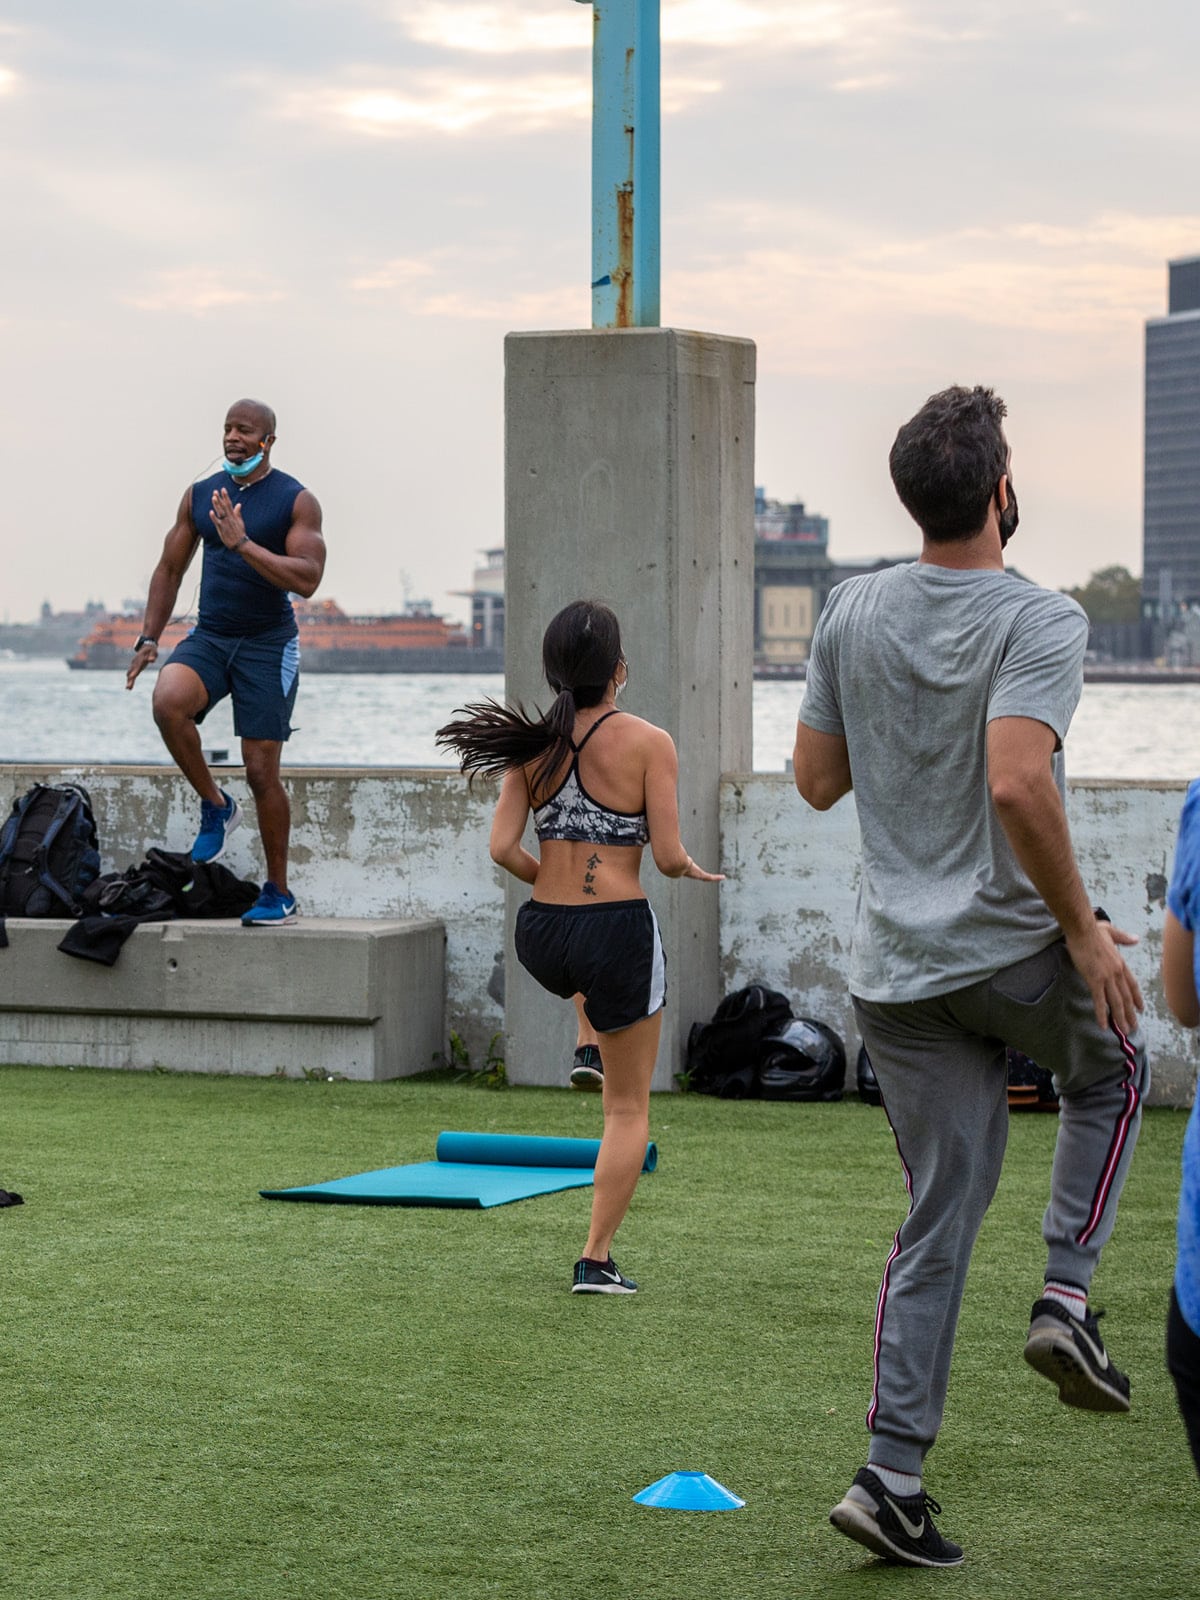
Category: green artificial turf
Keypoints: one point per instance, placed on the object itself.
(204, 1394)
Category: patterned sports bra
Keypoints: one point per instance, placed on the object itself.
(571, 813)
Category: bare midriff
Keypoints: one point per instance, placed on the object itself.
(572, 872)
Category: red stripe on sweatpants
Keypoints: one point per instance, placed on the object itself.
(1120, 1137)
(873, 1410)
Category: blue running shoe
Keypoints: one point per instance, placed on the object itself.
(271, 908)
(216, 824)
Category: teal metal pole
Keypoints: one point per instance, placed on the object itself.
(626, 164)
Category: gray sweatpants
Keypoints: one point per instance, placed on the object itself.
(941, 1070)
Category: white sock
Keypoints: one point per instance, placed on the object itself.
(1068, 1295)
(901, 1483)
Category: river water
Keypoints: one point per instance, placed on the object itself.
(50, 714)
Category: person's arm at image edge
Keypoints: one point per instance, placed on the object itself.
(1179, 972)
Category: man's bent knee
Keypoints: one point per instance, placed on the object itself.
(179, 695)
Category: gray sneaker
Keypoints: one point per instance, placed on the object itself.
(1071, 1354)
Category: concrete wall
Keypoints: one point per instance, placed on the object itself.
(787, 909)
(373, 842)
(383, 843)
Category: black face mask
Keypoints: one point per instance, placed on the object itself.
(1009, 517)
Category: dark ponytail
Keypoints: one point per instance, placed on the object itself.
(580, 653)
(491, 739)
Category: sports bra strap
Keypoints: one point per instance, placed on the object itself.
(578, 747)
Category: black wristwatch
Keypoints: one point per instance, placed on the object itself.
(144, 638)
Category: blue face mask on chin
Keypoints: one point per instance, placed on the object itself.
(242, 469)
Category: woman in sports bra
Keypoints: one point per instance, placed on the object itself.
(601, 785)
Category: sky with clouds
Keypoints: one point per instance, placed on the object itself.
(342, 206)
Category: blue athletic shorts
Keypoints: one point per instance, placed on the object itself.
(260, 674)
(610, 952)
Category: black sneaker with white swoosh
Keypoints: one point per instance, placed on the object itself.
(587, 1069)
(600, 1277)
(1071, 1354)
(897, 1527)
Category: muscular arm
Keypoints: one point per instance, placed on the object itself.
(821, 764)
(508, 825)
(300, 569)
(662, 811)
(178, 549)
(1031, 813)
(1179, 972)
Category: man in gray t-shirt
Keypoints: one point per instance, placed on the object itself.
(941, 693)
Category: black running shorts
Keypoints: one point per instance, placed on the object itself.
(610, 952)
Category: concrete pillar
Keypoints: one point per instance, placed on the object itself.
(629, 478)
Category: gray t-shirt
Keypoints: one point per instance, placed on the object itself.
(910, 665)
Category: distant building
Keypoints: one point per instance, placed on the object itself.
(486, 594)
(792, 579)
(792, 574)
(1171, 511)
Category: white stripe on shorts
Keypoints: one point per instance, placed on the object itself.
(658, 971)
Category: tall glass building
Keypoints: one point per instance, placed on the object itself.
(1171, 513)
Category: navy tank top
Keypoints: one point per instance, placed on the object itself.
(234, 599)
(572, 813)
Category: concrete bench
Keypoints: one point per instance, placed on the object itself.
(363, 999)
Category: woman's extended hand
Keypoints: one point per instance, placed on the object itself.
(694, 871)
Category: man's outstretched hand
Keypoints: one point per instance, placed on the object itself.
(1115, 992)
(141, 660)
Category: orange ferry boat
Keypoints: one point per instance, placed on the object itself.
(414, 640)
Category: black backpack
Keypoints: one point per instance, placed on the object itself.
(49, 852)
(723, 1055)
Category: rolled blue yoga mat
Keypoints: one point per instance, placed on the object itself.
(473, 1170)
(525, 1150)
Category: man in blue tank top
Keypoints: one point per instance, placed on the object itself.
(261, 532)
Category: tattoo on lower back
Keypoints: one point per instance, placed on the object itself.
(589, 877)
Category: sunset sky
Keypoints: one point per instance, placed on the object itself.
(341, 207)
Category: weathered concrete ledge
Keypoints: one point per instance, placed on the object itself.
(360, 999)
(392, 844)
(409, 843)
